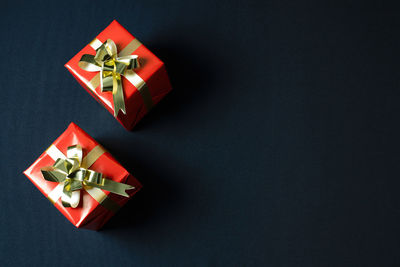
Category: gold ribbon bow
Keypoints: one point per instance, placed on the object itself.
(111, 68)
(70, 173)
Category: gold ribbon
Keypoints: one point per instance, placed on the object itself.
(111, 67)
(73, 174)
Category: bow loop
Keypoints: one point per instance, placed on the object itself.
(71, 185)
(61, 165)
(132, 61)
(88, 63)
(74, 177)
(53, 174)
(106, 51)
(111, 68)
(93, 177)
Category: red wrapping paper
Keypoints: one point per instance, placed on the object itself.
(89, 214)
(151, 70)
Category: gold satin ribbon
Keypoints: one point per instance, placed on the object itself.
(73, 174)
(111, 67)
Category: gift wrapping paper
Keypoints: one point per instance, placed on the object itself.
(143, 87)
(96, 206)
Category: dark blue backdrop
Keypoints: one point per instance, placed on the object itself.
(279, 145)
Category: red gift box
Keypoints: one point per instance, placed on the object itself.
(96, 206)
(142, 91)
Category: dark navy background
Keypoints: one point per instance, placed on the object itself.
(279, 146)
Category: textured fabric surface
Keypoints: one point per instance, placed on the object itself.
(279, 145)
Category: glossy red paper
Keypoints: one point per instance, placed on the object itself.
(152, 71)
(89, 214)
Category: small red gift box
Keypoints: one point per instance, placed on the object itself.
(142, 86)
(96, 205)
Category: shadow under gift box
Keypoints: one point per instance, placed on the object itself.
(89, 213)
(151, 70)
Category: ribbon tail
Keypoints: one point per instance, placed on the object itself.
(118, 97)
(53, 174)
(114, 187)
